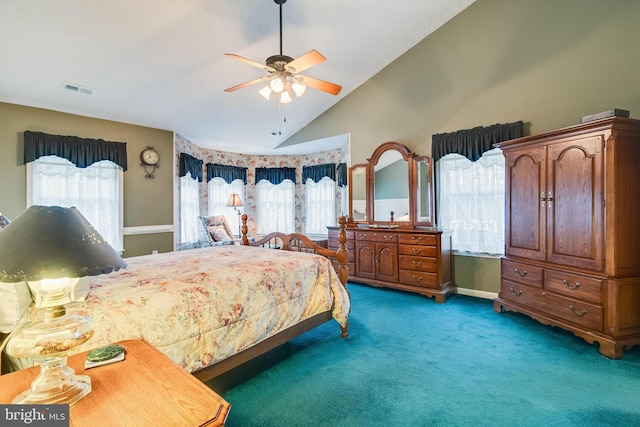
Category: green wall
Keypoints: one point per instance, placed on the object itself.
(547, 63)
(146, 202)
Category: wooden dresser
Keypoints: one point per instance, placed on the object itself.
(572, 241)
(415, 260)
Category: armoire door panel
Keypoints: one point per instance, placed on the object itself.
(525, 216)
(575, 203)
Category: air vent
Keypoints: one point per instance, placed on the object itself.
(77, 88)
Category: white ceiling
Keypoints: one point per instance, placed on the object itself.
(161, 63)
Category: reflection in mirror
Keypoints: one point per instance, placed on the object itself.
(423, 191)
(391, 188)
(359, 193)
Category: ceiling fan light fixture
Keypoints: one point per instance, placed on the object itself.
(266, 92)
(277, 85)
(298, 89)
(285, 98)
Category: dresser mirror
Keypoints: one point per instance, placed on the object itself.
(358, 193)
(423, 191)
(391, 187)
(394, 188)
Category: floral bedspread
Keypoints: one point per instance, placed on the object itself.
(203, 305)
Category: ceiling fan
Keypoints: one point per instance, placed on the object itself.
(283, 71)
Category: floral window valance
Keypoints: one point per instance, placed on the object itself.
(317, 172)
(190, 164)
(82, 152)
(275, 175)
(227, 172)
(471, 143)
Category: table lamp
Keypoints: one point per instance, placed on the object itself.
(235, 202)
(50, 248)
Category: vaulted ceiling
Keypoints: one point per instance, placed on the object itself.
(161, 63)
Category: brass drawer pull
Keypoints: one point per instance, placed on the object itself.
(573, 310)
(387, 238)
(516, 293)
(418, 278)
(574, 286)
(416, 263)
(519, 273)
(419, 239)
(416, 251)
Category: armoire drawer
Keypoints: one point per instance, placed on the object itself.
(576, 311)
(415, 263)
(377, 236)
(419, 278)
(428, 251)
(520, 294)
(418, 239)
(573, 285)
(522, 273)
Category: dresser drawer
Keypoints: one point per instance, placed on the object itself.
(334, 242)
(573, 285)
(419, 278)
(377, 236)
(418, 263)
(418, 239)
(428, 251)
(572, 310)
(525, 274)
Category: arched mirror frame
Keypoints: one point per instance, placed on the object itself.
(412, 163)
(407, 156)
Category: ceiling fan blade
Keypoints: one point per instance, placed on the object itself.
(252, 82)
(250, 62)
(331, 88)
(306, 61)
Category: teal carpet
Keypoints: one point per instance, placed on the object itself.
(410, 361)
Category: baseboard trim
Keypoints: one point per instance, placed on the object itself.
(148, 229)
(476, 293)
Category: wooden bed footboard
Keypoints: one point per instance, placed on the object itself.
(300, 243)
(291, 242)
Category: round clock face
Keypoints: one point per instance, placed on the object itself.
(150, 157)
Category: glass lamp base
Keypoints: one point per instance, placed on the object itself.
(56, 384)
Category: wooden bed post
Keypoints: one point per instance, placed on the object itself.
(245, 241)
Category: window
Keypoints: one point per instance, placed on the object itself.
(189, 209)
(276, 206)
(321, 205)
(96, 191)
(471, 201)
(219, 192)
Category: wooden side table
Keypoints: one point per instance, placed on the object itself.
(146, 389)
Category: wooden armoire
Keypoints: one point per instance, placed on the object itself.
(572, 242)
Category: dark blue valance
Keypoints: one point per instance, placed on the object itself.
(227, 172)
(471, 143)
(342, 174)
(82, 152)
(275, 175)
(190, 164)
(317, 172)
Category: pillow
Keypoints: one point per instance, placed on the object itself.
(219, 233)
(208, 221)
(16, 300)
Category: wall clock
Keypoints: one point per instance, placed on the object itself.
(150, 161)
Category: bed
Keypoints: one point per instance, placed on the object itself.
(212, 309)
